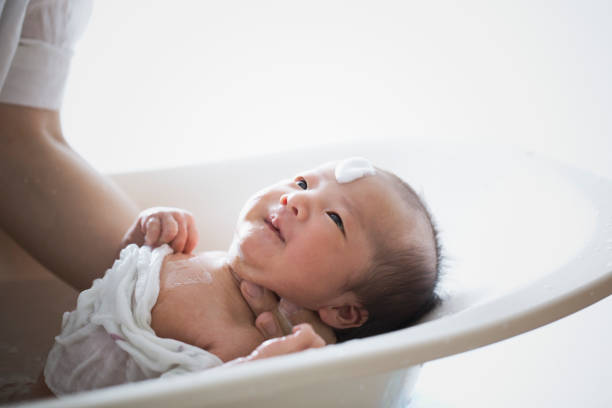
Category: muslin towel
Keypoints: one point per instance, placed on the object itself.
(108, 339)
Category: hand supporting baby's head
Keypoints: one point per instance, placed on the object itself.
(362, 253)
(276, 318)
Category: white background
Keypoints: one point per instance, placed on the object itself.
(159, 83)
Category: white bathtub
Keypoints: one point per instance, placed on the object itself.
(527, 241)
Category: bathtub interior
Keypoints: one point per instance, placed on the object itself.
(526, 241)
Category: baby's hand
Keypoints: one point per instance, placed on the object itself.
(303, 337)
(164, 225)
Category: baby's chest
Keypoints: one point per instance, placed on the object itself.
(205, 310)
(207, 325)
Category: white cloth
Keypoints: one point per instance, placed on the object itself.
(108, 339)
(37, 38)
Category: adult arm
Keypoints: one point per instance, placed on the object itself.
(55, 205)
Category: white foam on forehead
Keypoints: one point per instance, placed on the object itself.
(352, 169)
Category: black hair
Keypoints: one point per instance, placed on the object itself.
(400, 284)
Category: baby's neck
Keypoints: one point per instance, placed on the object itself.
(202, 287)
(224, 277)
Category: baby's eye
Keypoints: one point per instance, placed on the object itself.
(302, 183)
(336, 218)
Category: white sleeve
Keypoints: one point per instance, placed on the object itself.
(37, 39)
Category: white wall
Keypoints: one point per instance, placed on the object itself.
(159, 83)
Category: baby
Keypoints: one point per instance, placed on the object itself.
(350, 242)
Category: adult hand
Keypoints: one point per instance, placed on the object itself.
(275, 318)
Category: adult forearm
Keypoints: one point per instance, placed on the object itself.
(54, 204)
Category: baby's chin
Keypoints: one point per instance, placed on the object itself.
(240, 268)
(235, 258)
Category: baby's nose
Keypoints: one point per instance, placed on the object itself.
(295, 204)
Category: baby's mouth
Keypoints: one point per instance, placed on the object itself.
(272, 223)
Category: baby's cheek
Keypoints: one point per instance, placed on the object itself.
(317, 253)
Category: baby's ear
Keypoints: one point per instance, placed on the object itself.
(344, 316)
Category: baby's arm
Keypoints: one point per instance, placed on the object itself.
(302, 338)
(164, 225)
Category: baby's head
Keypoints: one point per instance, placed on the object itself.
(360, 250)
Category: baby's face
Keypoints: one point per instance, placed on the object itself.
(309, 238)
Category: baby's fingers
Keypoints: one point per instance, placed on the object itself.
(307, 337)
(192, 234)
(302, 338)
(169, 230)
(178, 243)
(152, 229)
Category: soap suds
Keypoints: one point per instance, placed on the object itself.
(352, 169)
(188, 272)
